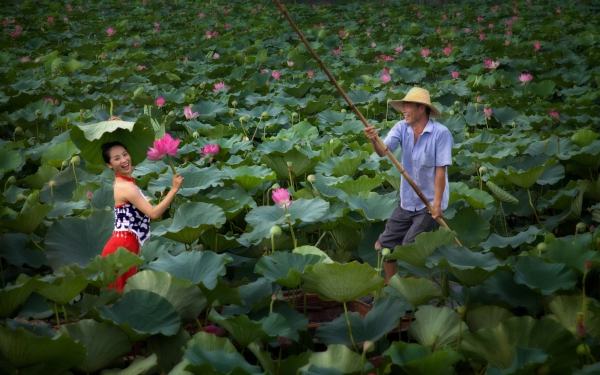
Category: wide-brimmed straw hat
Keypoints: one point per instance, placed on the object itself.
(417, 95)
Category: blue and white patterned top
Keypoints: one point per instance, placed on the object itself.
(129, 219)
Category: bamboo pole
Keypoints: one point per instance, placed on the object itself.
(389, 154)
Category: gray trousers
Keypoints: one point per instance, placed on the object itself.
(403, 226)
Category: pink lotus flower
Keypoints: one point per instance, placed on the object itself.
(525, 77)
(201, 15)
(310, 74)
(253, 10)
(162, 147)
(337, 51)
(478, 99)
(290, 63)
(444, 16)
(425, 52)
(481, 36)
(227, 26)
(455, 75)
(467, 30)
(447, 51)
(141, 67)
(480, 19)
(18, 27)
(49, 100)
(50, 19)
(210, 149)
(89, 195)
(160, 101)
(282, 197)
(25, 59)
(554, 114)
(491, 25)
(385, 78)
(537, 46)
(14, 33)
(489, 64)
(219, 86)
(386, 58)
(187, 111)
(373, 44)
(507, 42)
(488, 112)
(438, 31)
(341, 33)
(211, 328)
(398, 49)
(275, 74)
(135, 44)
(110, 31)
(509, 32)
(216, 56)
(558, 11)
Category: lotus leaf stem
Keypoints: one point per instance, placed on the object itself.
(56, 313)
(349, 327)
(199, 325)
(583, 296)
(65, 314)
(412, 314)
(504, 223)
(75, 174)
(291, 179)
(35, 243)
(533, 208)
(171, 164)
(462, 318)
(287, 215)
(272, 243)
(320, 238)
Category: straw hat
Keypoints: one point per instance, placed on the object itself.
(417, 95)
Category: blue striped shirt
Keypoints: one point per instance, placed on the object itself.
(433, 149)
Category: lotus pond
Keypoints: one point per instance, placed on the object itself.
(517, 84)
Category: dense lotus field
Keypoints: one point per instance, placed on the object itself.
(219, 289)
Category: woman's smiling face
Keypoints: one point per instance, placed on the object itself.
(120, 161)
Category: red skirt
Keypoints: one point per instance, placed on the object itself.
(129, 241)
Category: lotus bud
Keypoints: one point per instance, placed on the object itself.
(542, 247)
(457, 103)
(294, 114)
(461, 310)
(234, 103)
(195, 134)
(11, 180)
(38, 113)
(18, 130)
(202, 85)
(583, 349)
(273, 297)
(65, 163)
(580, 227)
(52, 184)
(451, 112)
(476, 105)
(89, 195)
(171, 114)
(231, 111)
(211, 328)
(377, 246)
(385, 252)
(268, 124)
(289, 164)
(368, 346)
(265, 114)
(275, 231)
(343, 110)
(183, 97)
(311, 178)
(75, 160)
(21, 197)
(353, 86)
(588, 264)
(467, 134)
(483, 169)
(275, 186)
(242, 119)
(287, 216)
(89, 87)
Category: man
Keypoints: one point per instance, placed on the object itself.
(426, 152)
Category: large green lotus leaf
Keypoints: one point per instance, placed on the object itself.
(139, 366)
(501, 194)
(542, 277)
(470, 227)
(416, 291)
(527, 236)
(58, 153)
(573, 255)
(66, 185)
(218, 242)
(64, 209)
(210, 342)
(475, 197)
(470, 268)
(306, 250)
(14, 250)
(75, 240)
(341, 282)
(86, 306)
(526, 361)
(64, 288)
(301, 163)
(435, 327)
(196, 266)
(185, 297)
(217, 362)
(221, 294)
(105, 270)
(345, 165)
(361, 185)
(425, 244)
(134, 135)
(9, 160)
(486, 317)
(209, 110)
(288, 366)
(378, 322)
(243, 330)
(249, 177)
(416, 359)
(103, 342)
(190, 220)
(169, 349)
(141, 313)
(29, 221)
(338, 357)
(232, 201)
(196, 179)
(497, 346)
(285, 268)
(301, 211)
(502, 287)
(565, 308)
(43, 175)
(255, 296)
(584, 137)
(23, 349)
(12, 296)
(523, 178)
(377, 208)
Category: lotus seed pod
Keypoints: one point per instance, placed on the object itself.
(234, 103)
(52, 184)
(311, 178)
(171, 114)
(275, 231)
(549, 237)
(268, 124)
(457, 103)
(18, 130)
(483, 169)
(294, 114)
(513, 124)
(242, 119)
(65, 163)
(461, 310)
(368, 346)
(287, 216)
(21, 197)
(275, 186)
(195, 134)
(202, 85)
(231, 111)
(89, 87)
(343, 110)
(264, 114)
(580, 227)
(75, 160)
(583, 349)
(38, 113)
(11, 180)
(385, 252)
(289, 164)
(451, 112)
(542, 247)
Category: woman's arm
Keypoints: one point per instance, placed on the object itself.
(130, 193)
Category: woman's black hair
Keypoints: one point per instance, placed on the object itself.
(106, 149)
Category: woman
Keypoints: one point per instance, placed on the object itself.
(132, 210)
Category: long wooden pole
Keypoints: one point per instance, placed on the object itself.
(389, 154)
